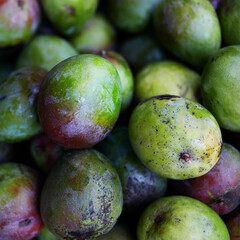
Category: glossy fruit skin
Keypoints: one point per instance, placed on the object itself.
(18, 97)
(44, 152)
(19, 21)
(97, 34)
(69, 16)
(79, 101)
(221, 85)
(119, 232)
(180, 218)
(87, 201)
(188, 29)
(232, 221)
(141, 50)
(140, 185)
(175, 137)
(45, 234)
(6, 152)
(131, 15)
(220, 187)
(167, 77)
(19, 190)
(125, 74)
(45, 52)
(229, 19)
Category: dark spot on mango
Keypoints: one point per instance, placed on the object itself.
(185, 156)
(2, 98)
(71, 10)
(25, 222)
(158, 219)
(20, 3)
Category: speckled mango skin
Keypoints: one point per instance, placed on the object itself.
(221, 85)
(19, 20)
(131, 15)
(86, 201)
(167, 77)
(119, 232)
(232, 221)
(141, 50)
(229, 17)
(220, 187)
(79, 101)
(69, 16)
(44, 152)
(18, 98)
(45, 52)
(188, 29)
(140, 185)
(98, 34)
(125, 74)
(180, 218)
(19, 209)
(175, 137)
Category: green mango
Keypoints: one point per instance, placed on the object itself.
(161, 78)
(45, 234)
(180, 218)
(18, 109)
(45, 52)
(97, 34)
(131, 15)
(229, 16)
(188, 29)
(19, 21)
(175, 137)
(86, 200)
(140, 185)
(79, 101)
(69, 16)
(221, 85)
(141, 50)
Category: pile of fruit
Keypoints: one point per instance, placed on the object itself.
(120, 119)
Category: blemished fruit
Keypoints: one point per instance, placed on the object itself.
(229, 16)
(167, 78)
(98, 34)
(45, 52)
(19, 21)
(125, 75)
(188, 29)
(86, 201)
(18, 104)
(140, 185)
(19, 202)
(175, 137)
(220, 187)
(180, 218)
(79, 101)
(221, 85)
(69, 16)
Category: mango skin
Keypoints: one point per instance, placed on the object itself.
(79, 101)
(131, 15)
(175, 137)
(125, 74)
(97, 34)
(19, 21)
(221, 85)
(220, 187)
(86, 201)
(45, 52)
(18, 101)
(167, 77)
(140, 185)
(188, 29)
(232, 221)
(141, 50)
(45, 234)
(229, 19)
(19, 202)
(180, 218)
(69, 16)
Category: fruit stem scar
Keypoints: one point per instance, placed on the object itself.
(186, 157)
